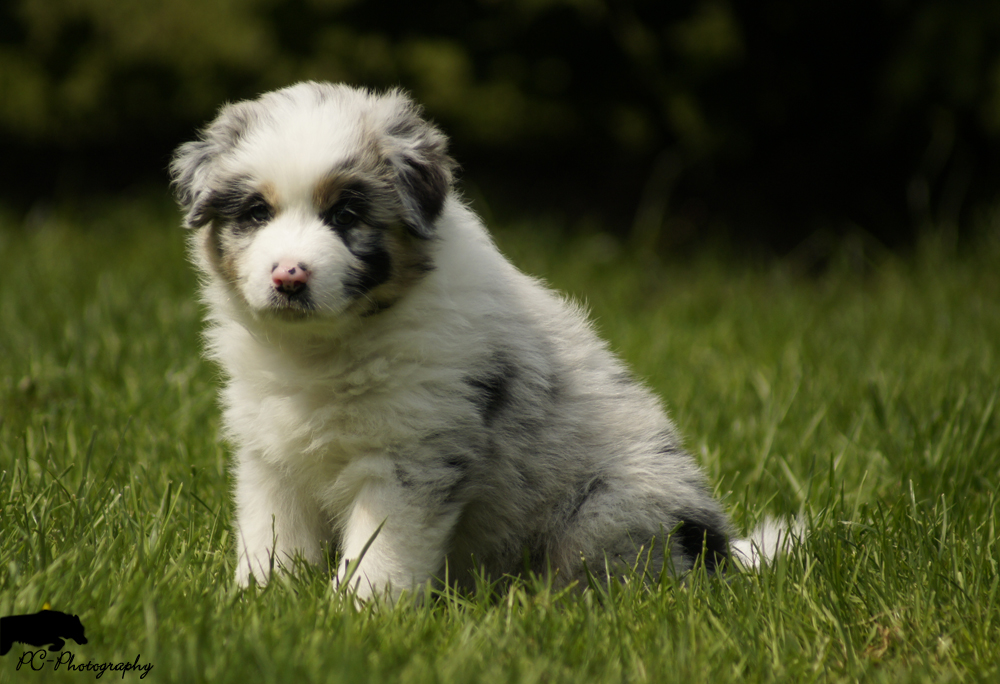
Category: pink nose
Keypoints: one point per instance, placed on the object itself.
(289, 277)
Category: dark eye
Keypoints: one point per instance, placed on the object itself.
(341, 215)
(257, 213)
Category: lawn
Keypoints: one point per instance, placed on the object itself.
(862, 397)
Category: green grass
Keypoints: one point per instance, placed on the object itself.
(864, 398)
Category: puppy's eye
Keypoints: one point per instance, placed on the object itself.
(257, 213)
(341, 215)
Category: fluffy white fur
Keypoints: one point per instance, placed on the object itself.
(389, 370)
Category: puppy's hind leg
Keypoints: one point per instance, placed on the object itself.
(617, 527)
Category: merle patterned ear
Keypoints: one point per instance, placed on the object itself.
(418, 152)
(188, 171)
(191, 168)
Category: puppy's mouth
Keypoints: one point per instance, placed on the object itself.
(295, 307)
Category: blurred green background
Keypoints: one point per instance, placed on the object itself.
(766, 121)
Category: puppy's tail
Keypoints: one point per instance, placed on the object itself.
(771, 539)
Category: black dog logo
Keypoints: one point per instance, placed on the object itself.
(38, 629)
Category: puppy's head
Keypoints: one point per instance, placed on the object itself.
(316, 201)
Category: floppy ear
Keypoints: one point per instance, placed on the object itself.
(418, 153)
(189, 175)
(192, 166)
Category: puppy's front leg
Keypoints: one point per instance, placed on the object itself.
(409, 548)
(274, 521)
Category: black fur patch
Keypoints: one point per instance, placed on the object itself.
(425, 186)
(493, 388)
(375, 265)
(695, 538)
(227, 202)
(423, 171)
(375, 269)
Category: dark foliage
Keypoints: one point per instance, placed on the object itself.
(768, 119)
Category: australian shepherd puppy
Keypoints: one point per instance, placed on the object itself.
(396, 389)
